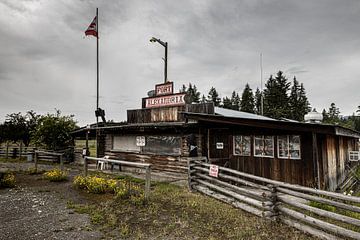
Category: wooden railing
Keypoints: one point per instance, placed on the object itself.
(146, 166)
(47, 154)
(15, 152)
(288, 203)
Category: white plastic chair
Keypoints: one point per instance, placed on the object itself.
(102, 165)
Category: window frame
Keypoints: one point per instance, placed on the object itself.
(123, 150)
(263, 140)
(234, 142)
(141, 148)
(288, 147)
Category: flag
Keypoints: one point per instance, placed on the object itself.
(92, 29)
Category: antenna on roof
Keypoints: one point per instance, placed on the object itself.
(261, 87)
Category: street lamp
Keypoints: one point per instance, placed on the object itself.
(165, 45)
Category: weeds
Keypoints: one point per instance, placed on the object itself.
(56, 175)
(7, 180)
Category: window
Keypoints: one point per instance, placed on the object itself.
(125, 144)
(164, 145)
(264, 146)
(242, 145)
(289, 147)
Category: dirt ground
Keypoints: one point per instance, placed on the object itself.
(37, 209)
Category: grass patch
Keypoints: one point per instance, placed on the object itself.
(333, 209)
(13, 160)
(175, 213)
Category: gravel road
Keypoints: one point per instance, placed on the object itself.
(37, 209)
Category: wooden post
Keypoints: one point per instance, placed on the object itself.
(21, 148)
(147, 183)
(61, 162)
(273, 198)
(35, 160)
(316, 160)
(190, 169)
(7, 150)
(85, 166)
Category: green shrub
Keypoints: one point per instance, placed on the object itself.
(121, 188)
(56, 175)
(8, 180)
(94, 184)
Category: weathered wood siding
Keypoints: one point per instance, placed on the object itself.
(172, 164)
(331, 162)
(295, 171)
(334, 160)
(166, 114)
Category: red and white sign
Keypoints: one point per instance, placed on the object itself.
(164, 89)
(170, 100)
(214, 170)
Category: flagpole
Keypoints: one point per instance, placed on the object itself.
(97, 80)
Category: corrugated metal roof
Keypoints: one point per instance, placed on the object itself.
(238, 114)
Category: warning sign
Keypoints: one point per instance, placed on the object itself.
(214, 170)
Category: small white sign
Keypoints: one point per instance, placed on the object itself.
(219, 145)
(214, 170)
(140, 141)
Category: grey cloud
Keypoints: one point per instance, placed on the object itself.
(211, 43)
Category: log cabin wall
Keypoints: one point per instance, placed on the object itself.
(296, 171)
(166, 163)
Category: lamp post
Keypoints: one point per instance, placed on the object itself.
(165, 45)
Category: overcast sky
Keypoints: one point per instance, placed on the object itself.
(46, 63)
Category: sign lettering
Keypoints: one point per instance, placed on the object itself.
(171, 100)
(219, 145)
(164, 89)
(140, 141)
(214, 170)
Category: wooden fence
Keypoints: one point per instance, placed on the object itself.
(41, 155)
(146, 166)
(15, 152)
(293, 205)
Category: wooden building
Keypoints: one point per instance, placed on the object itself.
(166, 131)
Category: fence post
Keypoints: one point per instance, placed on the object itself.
(20, 152)
(7, 150)
(35, 160)
(190, 170)
(273, 198)
(61, 162)
(85, 166)
(147, 183)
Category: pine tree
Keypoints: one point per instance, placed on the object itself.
(276, 100)
(213, 96)
(258, 101)
(304, 105)
(203, 99)
(325, 116)
(235, 101)
(247, 100)
(227, 103)
(334, 114)
(192, 94)
(294, 101)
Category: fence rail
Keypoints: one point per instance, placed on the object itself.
(146, 166)
(47, 154)
(15, 152)
(281, 201)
